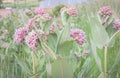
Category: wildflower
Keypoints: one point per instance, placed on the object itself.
(28, 11)
(32, 40)
(52, 28)
(78, 35)
(39, 33)
(20, 34)
(39, 11)
(117, 24)
(72, 11)
(46, 16)
(29, 25)
(105, 11)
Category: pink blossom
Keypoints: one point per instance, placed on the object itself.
(52, 28)
(72, 11)
(29, 25)
(39, 11)
(105, 11)
(32, 40)
(78, 35)
(117, 24)
(46, 36)
(39, 33)
(46, 16)
(20, 34)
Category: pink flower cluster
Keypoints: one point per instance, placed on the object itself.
(78, 35)
(20, 34)
(117, 24)
(32, 40)
(105, 11)
(29, 25)
(39, 11)
(72, 11)
(5, 45)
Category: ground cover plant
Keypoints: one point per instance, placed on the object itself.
(79, 41)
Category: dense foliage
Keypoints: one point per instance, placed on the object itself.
(79, 42)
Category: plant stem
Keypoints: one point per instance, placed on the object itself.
(33, 64)
(113, 35)
(105, 61)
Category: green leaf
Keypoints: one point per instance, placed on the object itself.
(65, 47)
(96, 57)
(99, 34)
(61, 69)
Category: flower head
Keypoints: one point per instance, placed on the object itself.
(105, 11)
(85, 52)
(32, 40)
(117, 24)
(20, 34)
(39, 11)
(78, 35)
(29, 25)
(72, 11)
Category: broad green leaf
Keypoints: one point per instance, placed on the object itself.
(62, 69)
(96, 57)
(65, 47)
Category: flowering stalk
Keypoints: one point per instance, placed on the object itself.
(105, 53)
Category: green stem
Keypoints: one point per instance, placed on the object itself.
(113, 35)
(105, 61)
(33, 64)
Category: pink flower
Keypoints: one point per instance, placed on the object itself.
(19, 35)
(117, 24)
(52, 28)
(78, 35)
(39, 33)
(46, 16)
(72, 11)
(39, 11)
(29, 25)
(105, 11)
(32, 40)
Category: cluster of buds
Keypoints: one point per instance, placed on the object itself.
(117, 24)
(78, 35)
(20, 34)
(28, 12)
(42, 13)
(105, 11)
(72, 11)
(32, 40)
